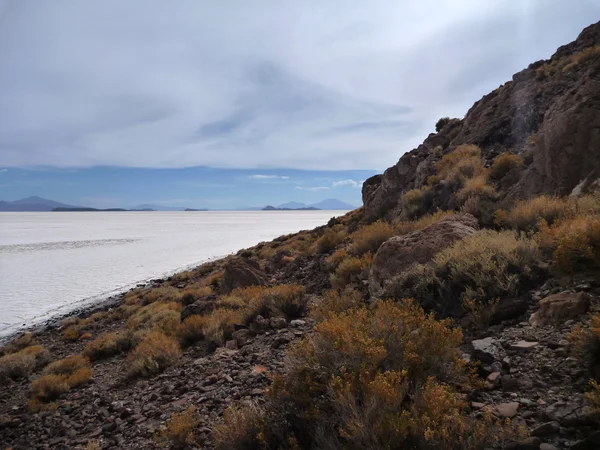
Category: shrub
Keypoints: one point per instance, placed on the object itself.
(242, 428)
(19, 343)
(153, 354)
(163, 316)
(457, 166)
(93, 445)
(329, 241)
(580, 57)
(416, 201)
(480, 313)
(376, 378)
(67, 366)
(488, 263)
(191, 293)
(526, 214)
(191, 329)
(79, 377)
(49, 387)
(179, 430)
(22, 363)
(163, 294)
(35, 406)
(287, 299)
(337, 257)
(219, 325)
(109, 344)
(351, 270)
(594, 397)
(586, 344)
(370, 237)
(72, 333)
(574, 242)
(405, 227)
(252, 301)
(476, 187)
(335, 302)
(504, 164)
(483, 266)
(441, 124)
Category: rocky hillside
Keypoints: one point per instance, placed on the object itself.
(458, 309)
(548, 114)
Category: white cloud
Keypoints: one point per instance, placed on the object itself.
(352, 183)
(3, 170)
(312, 188)
(269, 177)
(267, 84)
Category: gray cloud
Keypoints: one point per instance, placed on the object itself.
(311, 85)
(268, 177)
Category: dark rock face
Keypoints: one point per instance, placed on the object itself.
(554, 116)
(400, 252)
(242, 272)
(557, 308)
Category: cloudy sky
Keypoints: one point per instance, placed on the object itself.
(99, 92)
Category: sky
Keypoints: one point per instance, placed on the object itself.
(127, 101)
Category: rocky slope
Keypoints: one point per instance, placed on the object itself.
(226, 327)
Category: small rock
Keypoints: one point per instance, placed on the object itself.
(508, 410)
(524, 346)
(485, 350)
(477, 405)
(298, 323)
(242, 337)
(231, 344)
(493, 379)
(546, 446)
(545, 429)
(278, 323)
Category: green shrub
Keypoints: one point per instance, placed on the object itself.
(351, 270)
(416, 202)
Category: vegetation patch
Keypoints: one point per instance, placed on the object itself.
(179, 429)
(23, 362)
(370, 237)
(153, 354)
(352, 270)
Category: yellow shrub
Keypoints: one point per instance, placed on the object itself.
(416, 201)
(329, 241)
(457, 166)
(574, 242)
(405, 227)
(370, 237)
(586, 342)
(335, 302)
(67, 366)
(164, 316)
(594, 397)
(93, 445)
(351, 270)
(35, 406)
(476, 187)
(219, 325)
(488, 263)
(179, 430)
(79, 377)
(163, 294)
(191, 293)
(504, 164)
(380, 373)
(285, 299)
(22, 363)
(580, 57)
(242, 428)
(72, 333)
(191, 329)
(526, 214)
(109, 344)
(337, 257)
(153, 354)
(49, 387)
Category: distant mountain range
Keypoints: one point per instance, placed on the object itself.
(39, 204)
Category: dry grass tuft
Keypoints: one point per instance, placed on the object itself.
(191, 329)
(67, 366)
(242, 428)
(586, 343)
(526, 214)
(72, 333)
(335, 302)
(480, 313)
(163, 316)
(416, 201)
(22, 363)
(405, 227)
(108, 345)
(19, 343)
(476, 187)
(219, 325)
(574, 242)
(351, 270)
(368, 238)
(179, 429)
(49, 387)
(457, 166)
(504, 164)
(153, 354)
(329, 240)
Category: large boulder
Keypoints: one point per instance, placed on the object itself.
(201, 307)
(557, 308)
(242, 272)
(399, 253)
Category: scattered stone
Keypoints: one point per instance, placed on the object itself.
(524, 346)
(493, 380)
(278, 323)
(546, 429)
(298, 323)
(231, 344)
(546, 446)
(242, 337)
(486, 350)
(508, 410)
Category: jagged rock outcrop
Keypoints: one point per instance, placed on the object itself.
(399, 253)
(549, 113)
(242, 272)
